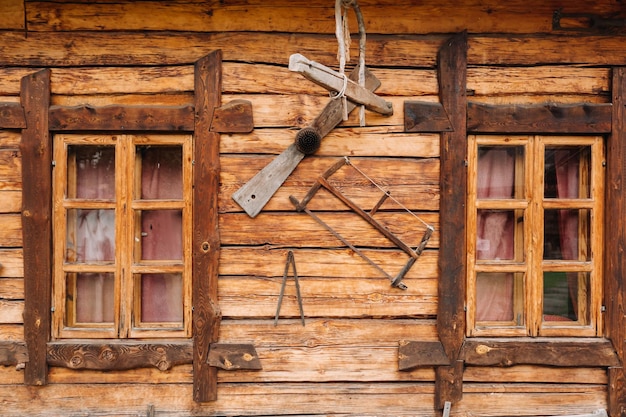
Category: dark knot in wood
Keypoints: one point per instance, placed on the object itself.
(308, 140)
(76, 361)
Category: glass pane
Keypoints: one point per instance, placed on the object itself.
(500, 172)
(161, 235)
(162, 298)
(93, 294)
(500, 297)
(567, 235)
(161, 172)
(495, 234)
(566, 297)
(91, 172)
(567, 172)
(90, 236)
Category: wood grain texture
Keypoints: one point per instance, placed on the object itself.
(36, 149)
(13, 353)
(555, 352)
(420, 354)
(206, 237)
(11, 116)
(234, 356)
(120, 355)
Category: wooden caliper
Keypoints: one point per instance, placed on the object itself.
(254, 194)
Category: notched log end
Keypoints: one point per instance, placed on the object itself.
(232, 357)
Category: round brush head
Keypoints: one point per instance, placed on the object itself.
(308, 140)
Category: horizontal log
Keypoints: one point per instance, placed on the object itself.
(533, 373)
(12, 116)
(13, 353)
(301, 16)
(546, 118)
(10, 230)
(82, 48)
(10, 139)
(12, 264)
(349, 398)
(119, 355)
(10, 170)
(11, 311)
(126, 118)
(11, 288)
(251, 297)
(553, 352)
(12, 332)
(11, 201)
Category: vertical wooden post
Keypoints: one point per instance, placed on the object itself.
(615, 259)
(36, 149)
(452, 72)
(206, 240)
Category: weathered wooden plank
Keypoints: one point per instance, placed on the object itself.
(413, 354)
(11, 288)
(206, 237)
(404, 398)
(252, 297)
(82, 48)
(285, 228)
(119, 355)
(124, 118)
(10, 139)
(36, 148)
(11, 201)
(13, 353)
(617, 382)
(452, 70)
(532, 373)
(10, 230)
(301, 16)
(12, 15)
(555, 352)
(10, 170)
(11, 311)
(232, 357)
(541, 118)
(233, 117)
(11, 116)
(264, 261)
(425, 117)
(615, 265)
(366, 141)
(12, 263)
(12, 333)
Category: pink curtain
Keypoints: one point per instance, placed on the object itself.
(161, 236)
(495, 238)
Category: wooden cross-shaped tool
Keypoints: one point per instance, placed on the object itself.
(254, 194)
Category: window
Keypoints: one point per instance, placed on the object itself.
(534, 232)
(122, 241)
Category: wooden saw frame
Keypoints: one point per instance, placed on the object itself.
(322, 181)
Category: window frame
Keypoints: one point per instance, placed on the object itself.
(533, 203)
(125, 205)
(40, 121)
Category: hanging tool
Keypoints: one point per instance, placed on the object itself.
(290, 261)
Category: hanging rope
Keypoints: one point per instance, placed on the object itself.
(342, 32)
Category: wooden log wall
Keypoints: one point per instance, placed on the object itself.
(344, 360)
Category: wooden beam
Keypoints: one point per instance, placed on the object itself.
(119, 355)
(617, 388)
(124, 118)
(206, 239)
(415, 354)
(581, 118)
(36, 149)
(452, 73)
(234, 356)
(615, 246)
(13, 353)
(579, 352)
(12, 116)
(233, 117)
(423, 116)
(543, 118)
